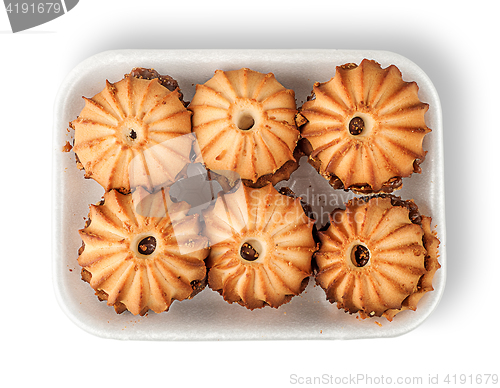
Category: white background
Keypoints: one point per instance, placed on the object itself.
(456, 45)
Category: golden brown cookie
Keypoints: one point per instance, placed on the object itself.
(245, 122)
(130, 135)
(364, 128)
(377, 256)
(261, 247)
(141, 254)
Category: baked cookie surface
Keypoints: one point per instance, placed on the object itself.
(377, 256)
(245, 122)
(365, 128)
(130, 134)
(261, 247)
(138, 255)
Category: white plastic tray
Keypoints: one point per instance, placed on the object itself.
(208, 316)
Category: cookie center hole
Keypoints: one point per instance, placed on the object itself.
(356, 126)
(147, 245)
(249, 251)
(360, 255)
(132, 134)
(245, 122)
